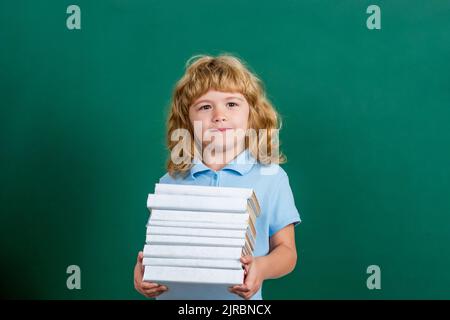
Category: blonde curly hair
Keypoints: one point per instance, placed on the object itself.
(225, 73)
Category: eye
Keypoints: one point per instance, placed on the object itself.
(205, 107)
(232, 104)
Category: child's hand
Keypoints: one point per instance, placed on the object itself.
(148, 289)
(253, 278)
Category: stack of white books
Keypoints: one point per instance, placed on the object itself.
(195, 238)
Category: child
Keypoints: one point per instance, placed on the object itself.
(216, 98)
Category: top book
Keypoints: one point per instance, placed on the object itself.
(246, 195)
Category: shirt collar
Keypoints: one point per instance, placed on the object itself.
(242, 164)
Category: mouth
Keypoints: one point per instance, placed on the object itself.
(221, 129)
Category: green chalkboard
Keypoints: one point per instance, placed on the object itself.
(365, 129)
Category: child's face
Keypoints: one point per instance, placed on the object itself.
(223, 117)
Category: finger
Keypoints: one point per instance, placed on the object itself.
(140, 257)
(154, 295)
(246, 296)
(149, 285)
(242, 295)
(150, 291)
(156, 291)
(138, 273)
(242, 288)
(234, 291)
(151, 295)
(246, 260)
(157, 288)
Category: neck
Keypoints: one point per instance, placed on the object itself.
(218, 160)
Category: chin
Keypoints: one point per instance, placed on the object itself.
(221, 147)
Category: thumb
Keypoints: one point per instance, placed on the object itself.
(140, 257)
(139, 262)
(246, 259)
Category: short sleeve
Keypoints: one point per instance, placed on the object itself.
(282, 207)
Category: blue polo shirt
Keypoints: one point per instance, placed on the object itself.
(271, 186)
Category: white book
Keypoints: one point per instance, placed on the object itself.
(192, 217)
(210, 191)
(198, 232)
(194, 241)
(194, 263)
(194, 190)
(244, 235)
(213, 217)
(197, 291)
(191, 252)
(196, 203)
(165, 275)
(197, 224)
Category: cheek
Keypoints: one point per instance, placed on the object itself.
(199, 119)
(244, 119)
(200, 126)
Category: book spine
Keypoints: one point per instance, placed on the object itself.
(195, 224)
(213, 233)
(161, 188)
(196, 203)
(193, 263)
(194, 241)
(213, 217)
(191, 252)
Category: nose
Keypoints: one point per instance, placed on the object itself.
(219, 115)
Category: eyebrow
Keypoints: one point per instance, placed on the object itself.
(227, 98)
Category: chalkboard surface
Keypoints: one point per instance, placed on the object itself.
(365, 128)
